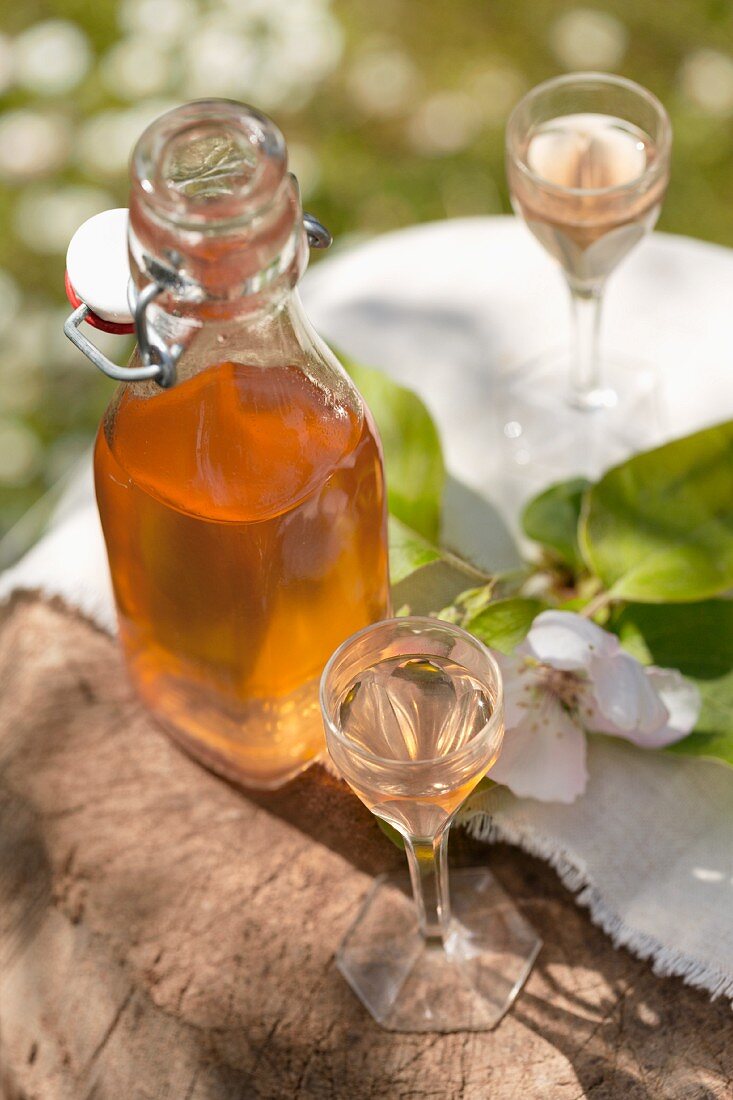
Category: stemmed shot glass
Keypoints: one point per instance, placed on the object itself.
(414, 719)
(588, 165)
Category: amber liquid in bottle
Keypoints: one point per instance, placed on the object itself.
(244, 515)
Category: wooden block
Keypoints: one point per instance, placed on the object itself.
(163, 935)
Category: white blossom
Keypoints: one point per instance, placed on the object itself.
(445, 123)
(105, 141)
(706, 78)
(46, 218)
(268, 53)
(137, 67)
(31, 144)
(168, 21)
(382, 81)
(585, 38)
(569, 676)
(496, 88)
(51, 58)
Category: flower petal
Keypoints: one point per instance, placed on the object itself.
(565, 640)
(620, 699)
(682, 700)
(520, 686)
(543, 756)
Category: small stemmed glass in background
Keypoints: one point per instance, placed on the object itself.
(414, 719)
(588, 165)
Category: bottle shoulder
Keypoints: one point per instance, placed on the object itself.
(236, 441)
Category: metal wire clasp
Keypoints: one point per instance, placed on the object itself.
(318, 235)
(159, 360)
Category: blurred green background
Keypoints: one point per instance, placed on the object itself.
(393, 109)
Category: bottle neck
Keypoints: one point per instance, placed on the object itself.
(215, 217)
(218, 279)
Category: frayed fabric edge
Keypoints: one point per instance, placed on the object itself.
(666, 962)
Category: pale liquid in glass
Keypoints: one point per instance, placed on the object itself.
(420, 716)
(582, 201)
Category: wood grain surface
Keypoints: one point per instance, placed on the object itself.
(165, 937)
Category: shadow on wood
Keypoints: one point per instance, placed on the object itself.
(166, 936)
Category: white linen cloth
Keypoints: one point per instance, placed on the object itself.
(443, 308)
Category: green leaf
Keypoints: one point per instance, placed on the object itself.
(505, 623)
(408, 551)
(552, 519)
(425, 578)
(697, 639)
(391, 833)
(659, 528)
(413, 456)
(468, 604)
(484, 784)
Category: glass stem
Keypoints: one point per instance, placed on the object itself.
(428, 861)
(585, 376)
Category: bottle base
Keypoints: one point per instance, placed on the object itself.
(221, 765)
(257, 743)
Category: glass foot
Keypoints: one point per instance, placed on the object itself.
(466, 984)
(546, 433)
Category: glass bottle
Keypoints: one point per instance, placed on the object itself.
(243, 508)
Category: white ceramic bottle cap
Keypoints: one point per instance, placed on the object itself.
(97, 265)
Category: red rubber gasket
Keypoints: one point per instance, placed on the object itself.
(92, 318)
